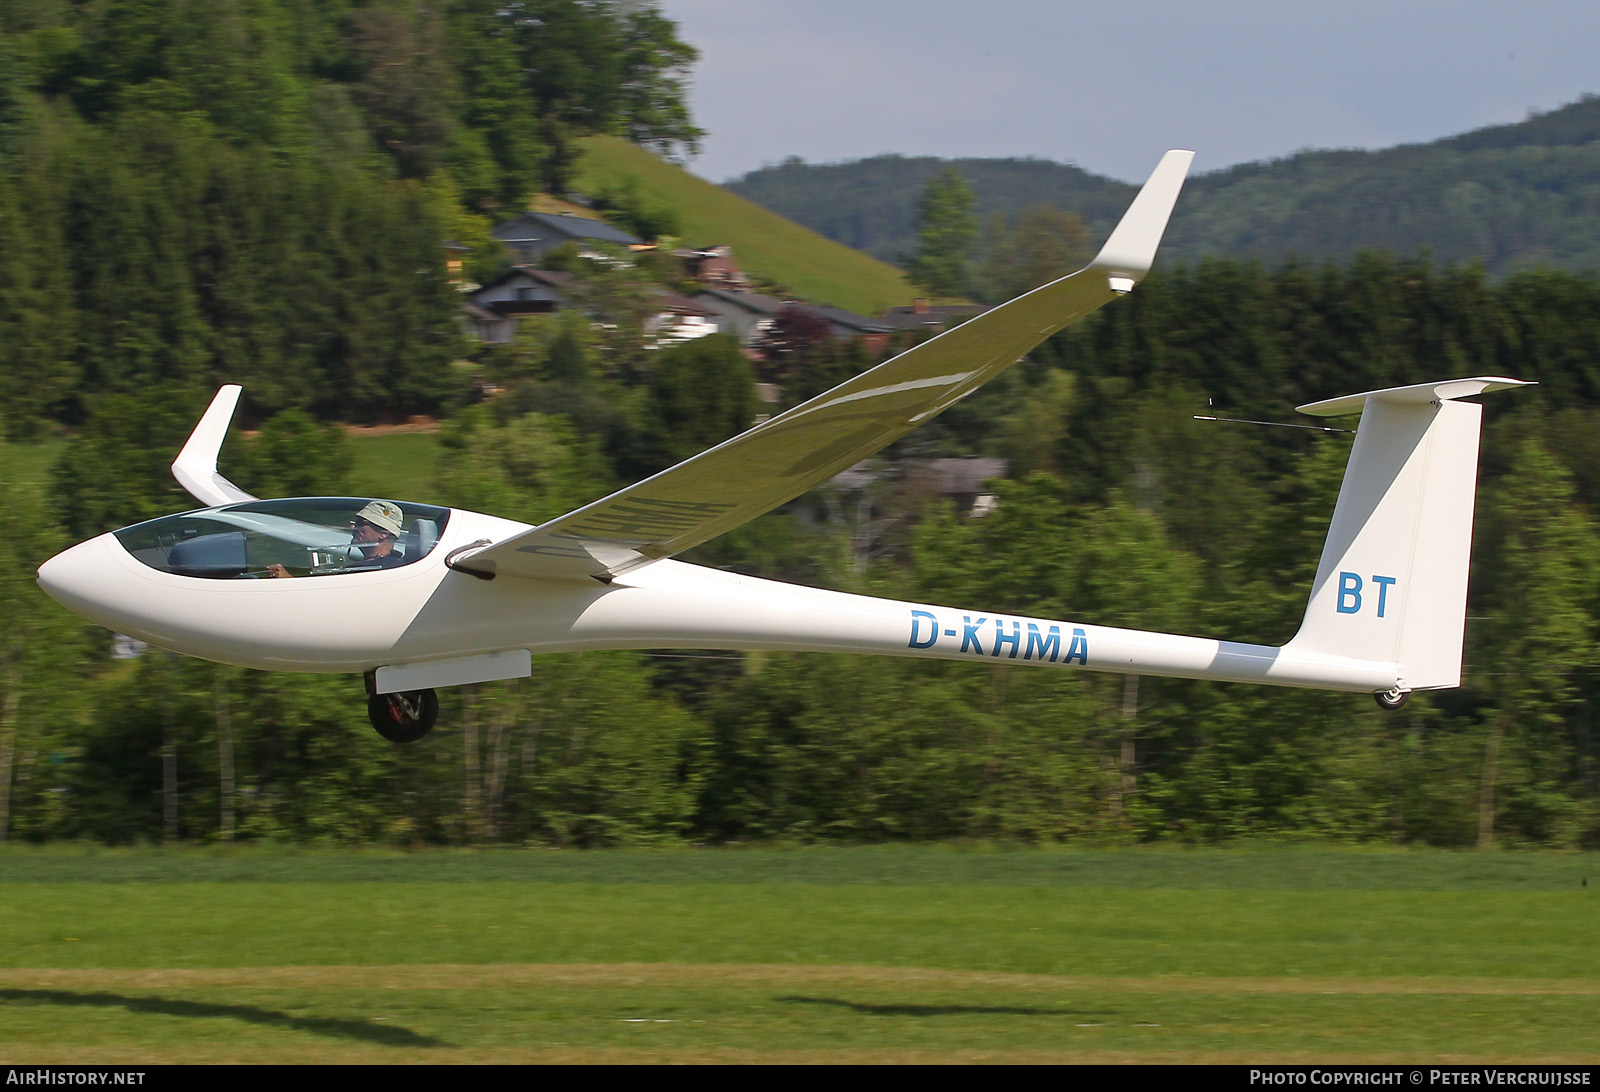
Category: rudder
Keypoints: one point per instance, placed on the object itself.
(1391, 585)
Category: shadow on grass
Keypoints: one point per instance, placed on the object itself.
(361, 1030)
(941, 1010)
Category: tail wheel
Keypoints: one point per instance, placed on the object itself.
(1391, 699)
(404, 717)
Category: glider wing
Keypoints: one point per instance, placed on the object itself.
(779, 459)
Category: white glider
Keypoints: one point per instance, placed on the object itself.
(418, 597)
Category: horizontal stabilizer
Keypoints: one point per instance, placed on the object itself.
(1419, 394)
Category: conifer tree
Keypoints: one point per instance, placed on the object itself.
(946, 229)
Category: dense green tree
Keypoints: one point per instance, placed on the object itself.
(593, 66)
(290, 456)
(585, 753)
(117, 470)
(496, 106)
(42, 653)
(532, 468)
(1042, 245)
(701, 393)
(37, 367)
(229, 62)
(1534, 651)
(654, 93)
(407, 89)
(946, 230)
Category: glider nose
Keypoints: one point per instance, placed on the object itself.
(69, 576)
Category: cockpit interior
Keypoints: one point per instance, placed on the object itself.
(300, 536)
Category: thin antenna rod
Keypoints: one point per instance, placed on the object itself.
(1274, 424)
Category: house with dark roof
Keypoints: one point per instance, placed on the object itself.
(745, 315)
(495, 310)
(847, 324)
(532, 235)
(749, 315)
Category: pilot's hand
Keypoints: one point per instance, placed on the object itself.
(278, 570)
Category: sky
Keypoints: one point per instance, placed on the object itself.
(1109, 86)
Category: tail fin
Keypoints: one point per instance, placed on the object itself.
(1392, 583)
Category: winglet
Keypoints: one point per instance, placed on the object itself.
(196, 465)
(1129, 253)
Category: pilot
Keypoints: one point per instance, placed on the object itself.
(374, 530)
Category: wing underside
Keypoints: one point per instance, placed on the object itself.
(779, 459)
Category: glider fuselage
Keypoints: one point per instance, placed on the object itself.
(425, 614)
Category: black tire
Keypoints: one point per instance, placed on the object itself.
(1391, 699)
(405, 717)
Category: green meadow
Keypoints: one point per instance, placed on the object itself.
(399, 465)
(900, 953)
(764, 243)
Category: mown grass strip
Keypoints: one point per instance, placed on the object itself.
(726, 956)
(769, 1014)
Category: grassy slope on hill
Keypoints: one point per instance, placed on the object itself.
(764, 243)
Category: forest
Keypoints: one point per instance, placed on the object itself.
(263, 199)
(1508, 197)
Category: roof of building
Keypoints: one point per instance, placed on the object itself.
(838, 316)
(922, 316)
(532, 226)
(680, 304)
(548, 277)
(749, 301)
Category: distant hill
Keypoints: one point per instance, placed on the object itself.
(870, 204)
(765, 244)
(1512, 197)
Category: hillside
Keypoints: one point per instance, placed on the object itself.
(1512, 197)
(870, 204)
(766, 244)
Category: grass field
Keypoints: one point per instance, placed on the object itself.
(884, 953)
(29, 465)
(398, 465)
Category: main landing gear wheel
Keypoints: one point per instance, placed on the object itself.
(1391, 699)
(404, 717)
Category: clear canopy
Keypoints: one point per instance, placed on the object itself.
(301, 536)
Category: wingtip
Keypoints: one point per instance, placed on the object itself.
(195, 468)
(1131, 249)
